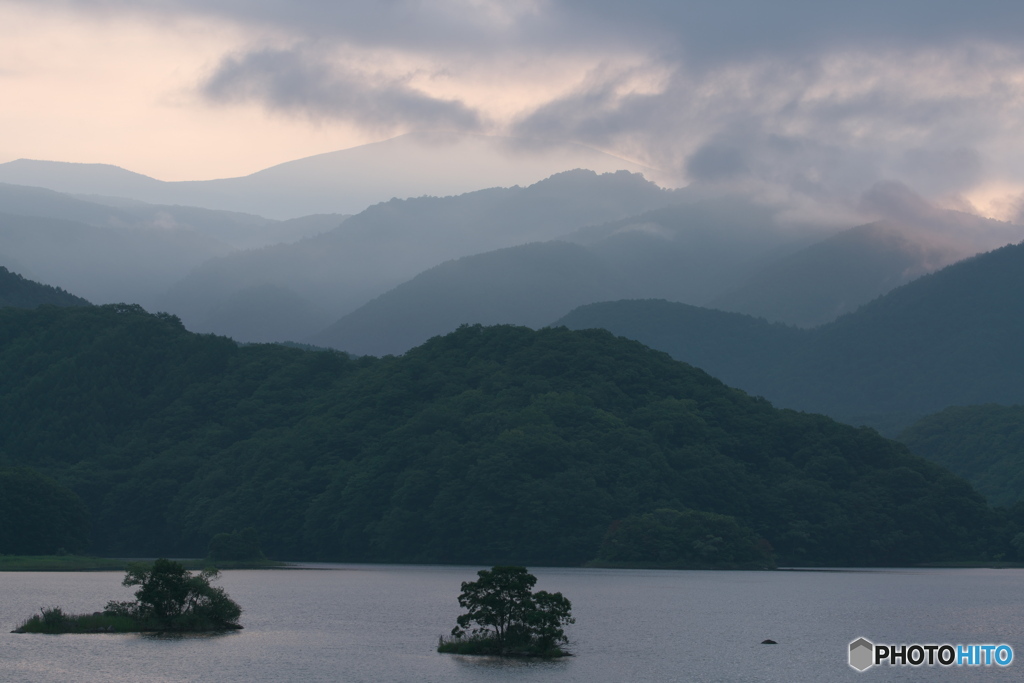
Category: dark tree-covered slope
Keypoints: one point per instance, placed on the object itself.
(983, 444)
(488, 445)
(38, 516)
(18, 292)
(949, 338)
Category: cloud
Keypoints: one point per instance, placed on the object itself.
(298, 81)
(824, 99)
(941, 120)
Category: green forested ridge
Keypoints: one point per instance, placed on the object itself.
(38, 516)
(983, 444)
(948, 338)
(488, 445)
(23, 293)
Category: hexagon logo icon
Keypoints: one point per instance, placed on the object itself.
(862, 654)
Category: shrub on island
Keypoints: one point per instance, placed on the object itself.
(506, 618)
(170, 598)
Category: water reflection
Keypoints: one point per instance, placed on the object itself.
(381, 623)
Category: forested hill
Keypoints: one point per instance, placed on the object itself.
(488, 445)
(22, 293)
(984, 444)
(948, 338)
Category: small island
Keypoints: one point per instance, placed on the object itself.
(506, 619)
(170, 598)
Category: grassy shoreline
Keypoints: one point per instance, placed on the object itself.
(84, 563)
(482, 646)
(54, 621)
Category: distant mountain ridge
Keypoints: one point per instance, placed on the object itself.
(117, 251)
(688, 250)
(525, 285)
(948, 338)
(103, 264)
(237, 230)
(344, 182)
(705, 249)
(338, 271)
(838, 275)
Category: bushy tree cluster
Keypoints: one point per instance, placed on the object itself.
(174, 599)
(505, 616)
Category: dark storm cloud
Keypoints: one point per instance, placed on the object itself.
(295, 81)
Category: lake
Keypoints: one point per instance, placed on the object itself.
(354, 623)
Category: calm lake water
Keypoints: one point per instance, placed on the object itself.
(354, 623)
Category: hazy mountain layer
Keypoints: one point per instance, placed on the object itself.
(525, 285)
(838, 275)
(487, 445)
(102, 264)
(18, 292)
(336, 272)
(344, 182)
(687, 251)
(696, 251)
(949, 338)
(238, 230)
(699, 248)
(984, 444)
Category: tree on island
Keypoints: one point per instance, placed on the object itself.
(504, 616)
(170, 598)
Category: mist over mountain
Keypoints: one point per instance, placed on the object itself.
(102, 264)
(126, 251)
(948, 338)
(238, 230)
(342, 182)
(701, 249)
(264, 313)
(525, 285)
(338, 271)
(686, 251)
(837, 275)
(19, 292)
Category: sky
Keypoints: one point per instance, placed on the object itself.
(816, 99)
